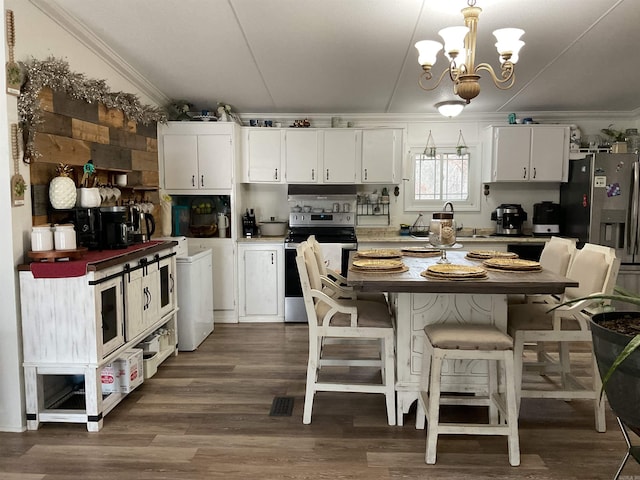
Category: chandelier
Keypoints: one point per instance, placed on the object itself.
(460, 50)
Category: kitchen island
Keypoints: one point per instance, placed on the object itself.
(418, 301)
(80, 316)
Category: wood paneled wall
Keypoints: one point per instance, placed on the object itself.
(74, 132)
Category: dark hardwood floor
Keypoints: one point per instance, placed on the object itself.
(205, 415)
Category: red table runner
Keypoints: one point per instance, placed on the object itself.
(78, 268)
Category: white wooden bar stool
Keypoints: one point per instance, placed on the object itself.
(469, 342)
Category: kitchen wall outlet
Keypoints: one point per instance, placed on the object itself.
(486, 190)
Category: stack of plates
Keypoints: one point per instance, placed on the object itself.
(420, 252)
(485, 254)
(378, 265)
(512, 264)
(450, 271)
(379, 253)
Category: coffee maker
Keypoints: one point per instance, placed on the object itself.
(249, 225)
(88, 226)
(510, 218)
(115, 233)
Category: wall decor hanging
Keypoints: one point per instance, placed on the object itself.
(57, 75)
(18, 185)
(14, 72)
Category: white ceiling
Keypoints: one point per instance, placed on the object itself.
(357, 56)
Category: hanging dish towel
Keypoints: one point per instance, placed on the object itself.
(332, 253)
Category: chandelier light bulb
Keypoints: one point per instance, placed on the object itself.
(454, 41)
(428, 52)
(512, 49)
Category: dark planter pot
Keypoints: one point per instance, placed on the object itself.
(623, 388)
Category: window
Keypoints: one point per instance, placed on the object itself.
(446, 176)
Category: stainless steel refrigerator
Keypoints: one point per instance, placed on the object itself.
(601, 204)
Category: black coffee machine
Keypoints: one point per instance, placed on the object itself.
(249, 225)
(88, 226)
(115, 232)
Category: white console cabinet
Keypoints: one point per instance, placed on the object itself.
(75, 325)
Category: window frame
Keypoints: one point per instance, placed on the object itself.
(472, 204)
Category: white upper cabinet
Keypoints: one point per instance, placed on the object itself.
(301, 156)
(331, 155)
(263, 155)
(381, 155)
(197, 157)
(340, 155)
(536, 153)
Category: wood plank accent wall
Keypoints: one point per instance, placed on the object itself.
(74, 132)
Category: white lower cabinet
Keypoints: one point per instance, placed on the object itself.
(261, 285)
(72, 327)
(223, 253)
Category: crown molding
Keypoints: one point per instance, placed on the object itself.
(87, 38)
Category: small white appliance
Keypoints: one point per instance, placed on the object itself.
(195, 299)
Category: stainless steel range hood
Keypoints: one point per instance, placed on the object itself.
(321, 192)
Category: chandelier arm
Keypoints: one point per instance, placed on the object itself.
(428, 76)
(508, 75)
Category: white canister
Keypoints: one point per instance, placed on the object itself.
(41, 238)
(65, 237)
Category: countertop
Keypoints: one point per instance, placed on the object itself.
(369, 238)
(261, 239)
(95, 260)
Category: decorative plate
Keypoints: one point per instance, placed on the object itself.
(485, 254)
(379, 253)
(448, 271)
(453, 270)
(515, 264)
(377, 264)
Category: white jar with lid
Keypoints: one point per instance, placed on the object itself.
(65, 237)
(41, 238)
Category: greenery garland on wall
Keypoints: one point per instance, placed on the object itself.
(56, 74)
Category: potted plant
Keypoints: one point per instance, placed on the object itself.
(616, 346)
(619, 141)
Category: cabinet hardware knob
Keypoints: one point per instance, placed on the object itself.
(366, 174)
(534, 172)
(327, 174)
(193, 180)
(202, 180)
(524, 175)
(313, 174)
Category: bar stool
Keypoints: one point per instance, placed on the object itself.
(469, 342)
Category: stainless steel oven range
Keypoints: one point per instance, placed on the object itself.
(313, 212)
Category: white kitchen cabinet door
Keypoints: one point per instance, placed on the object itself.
(341, 150)
(180, 155)
(527, 154)
(301, 156)
(215, 162)
(379, 156)
(549, 154)
(223, 256)
(198, 162)
(264, 151)
(261, 289)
